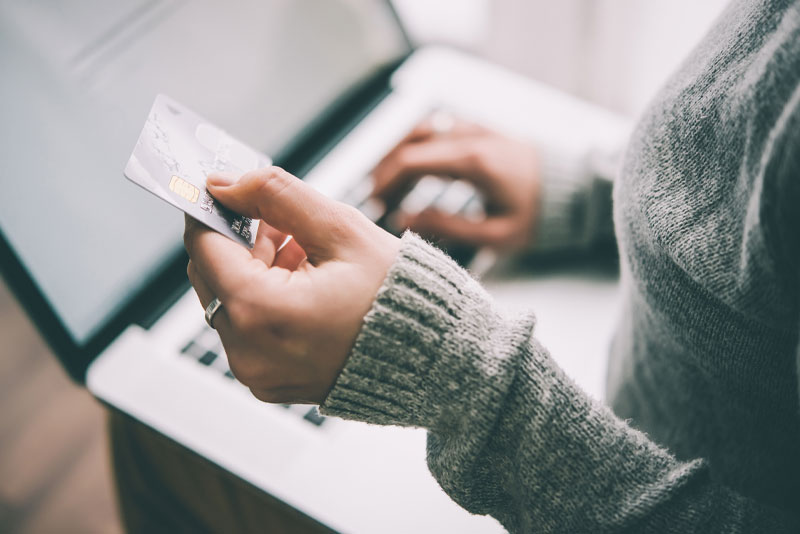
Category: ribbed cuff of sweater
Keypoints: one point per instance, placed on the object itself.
(414, 358)
(565, 186)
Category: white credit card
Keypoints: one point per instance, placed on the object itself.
(177, 150)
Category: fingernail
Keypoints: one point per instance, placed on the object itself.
(222, 179)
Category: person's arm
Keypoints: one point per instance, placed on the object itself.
(415, 341)
(509, 434)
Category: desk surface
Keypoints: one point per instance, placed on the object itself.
(55, 472)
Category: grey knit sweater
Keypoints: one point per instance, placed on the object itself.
(704, 435)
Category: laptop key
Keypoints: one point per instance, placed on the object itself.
(359, 192)
(455, 197)
(208, 358)
(372, 208)
(193, 350)
(313, 416)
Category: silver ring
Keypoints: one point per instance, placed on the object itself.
(212, 308)
(442, 122)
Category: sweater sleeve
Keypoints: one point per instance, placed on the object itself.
(575, 202)
(510, 435)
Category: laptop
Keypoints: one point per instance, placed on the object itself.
(325, 87)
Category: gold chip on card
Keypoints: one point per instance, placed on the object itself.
(184, 189)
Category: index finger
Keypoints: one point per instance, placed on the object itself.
(223, 264)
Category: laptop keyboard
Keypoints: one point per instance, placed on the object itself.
(206, 349)
(454, 197)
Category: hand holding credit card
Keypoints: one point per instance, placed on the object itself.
(177, 150)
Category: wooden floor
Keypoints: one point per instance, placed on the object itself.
(55, 473)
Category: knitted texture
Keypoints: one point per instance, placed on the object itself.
(705, 432)
(575, 212)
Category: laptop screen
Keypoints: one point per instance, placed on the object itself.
(78, 80)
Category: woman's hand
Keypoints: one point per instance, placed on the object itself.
(504, 170)
(290, 315)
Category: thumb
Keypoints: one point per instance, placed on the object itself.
(285, 203)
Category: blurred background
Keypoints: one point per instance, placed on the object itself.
(54, 467)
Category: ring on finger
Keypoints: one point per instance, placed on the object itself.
(211, 310)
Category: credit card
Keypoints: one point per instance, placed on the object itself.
(177, 150)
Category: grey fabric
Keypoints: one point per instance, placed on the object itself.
(575, 212)
(705, 433)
